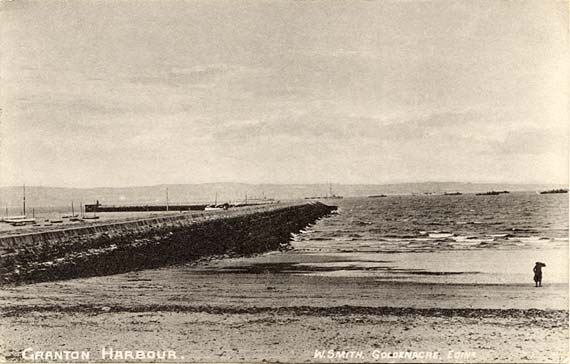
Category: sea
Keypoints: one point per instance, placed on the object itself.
(458, 239)
(489, 239)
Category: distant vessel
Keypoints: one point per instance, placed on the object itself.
(452, 193)
(323, 197)
(329, 196)
(377, 196)
(491, 193)
(560, 190)
(332, 197)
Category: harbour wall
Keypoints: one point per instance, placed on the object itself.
(96, 207)
(133, 208)
(150, 243)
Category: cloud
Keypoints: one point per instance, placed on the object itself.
(533, 142)
(411, 87)
(196, 76)
(338, 127)
(10, 5)
(71, 104)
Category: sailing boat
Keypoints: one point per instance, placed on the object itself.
(73, 214)
(20, 220)
(215, 206)
(9, 218)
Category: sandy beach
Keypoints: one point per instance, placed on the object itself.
(255, 309)
(372, 283)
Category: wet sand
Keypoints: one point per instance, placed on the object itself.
(281, 307)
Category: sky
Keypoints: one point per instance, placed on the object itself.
(124, 93)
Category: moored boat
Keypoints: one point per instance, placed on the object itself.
(8, 218)
(20, 222)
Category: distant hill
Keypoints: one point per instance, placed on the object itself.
(184, 193)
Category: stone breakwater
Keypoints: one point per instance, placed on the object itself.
(150, 243)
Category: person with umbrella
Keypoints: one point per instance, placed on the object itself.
(538, 274)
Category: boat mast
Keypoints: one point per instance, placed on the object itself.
(72, 210)
(24, 201)
(166, 198)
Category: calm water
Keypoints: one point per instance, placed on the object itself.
(466, 238)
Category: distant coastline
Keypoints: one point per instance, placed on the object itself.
(204, 193)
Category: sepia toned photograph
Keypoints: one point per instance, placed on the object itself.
(284, 181)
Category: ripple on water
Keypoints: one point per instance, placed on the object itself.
(468, 226)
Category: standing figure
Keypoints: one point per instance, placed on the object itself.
(538, 274)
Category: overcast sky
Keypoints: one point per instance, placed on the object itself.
(119, 93)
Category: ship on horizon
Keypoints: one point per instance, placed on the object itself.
(329, 196)
(560, 190)
(491, 193)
